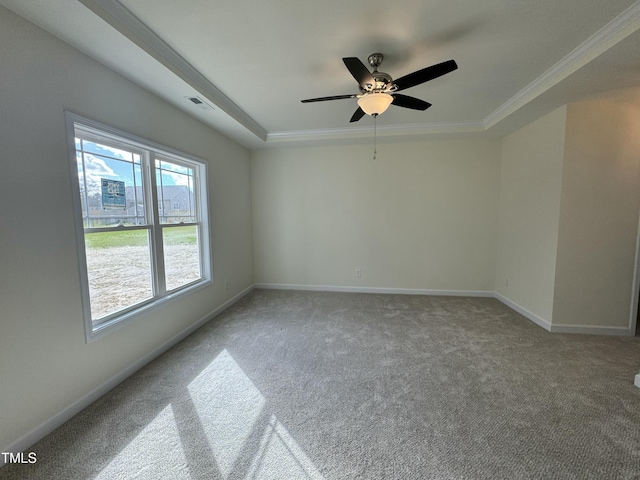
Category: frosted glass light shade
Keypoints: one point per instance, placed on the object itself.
(375, 103)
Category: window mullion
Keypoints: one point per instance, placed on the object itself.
(196, 195)
(157, 258)
(198, 219)
(84, 188)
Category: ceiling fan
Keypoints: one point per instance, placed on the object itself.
(378, 89)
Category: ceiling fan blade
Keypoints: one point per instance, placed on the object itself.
(324, 99)
(409, 102)
(359, 71)
(426, 74)
(359, 113)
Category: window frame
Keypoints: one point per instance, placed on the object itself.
(154, 151)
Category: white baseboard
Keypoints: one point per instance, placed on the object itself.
(555, 328)
(76, 407)
(592, 330)
(524, 312)
(393, 291)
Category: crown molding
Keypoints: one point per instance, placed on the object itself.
(381, 131)
(615, 31)
(116, 15)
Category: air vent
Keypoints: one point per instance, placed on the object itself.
(200, 103)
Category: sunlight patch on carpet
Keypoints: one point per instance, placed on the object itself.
(233, 415)
(279, 454)
(228, 405)
(149, 453)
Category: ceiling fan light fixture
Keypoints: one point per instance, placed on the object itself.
(374, 103)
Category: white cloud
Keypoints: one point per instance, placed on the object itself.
(95, 169)
(174, 168)
(175, 178)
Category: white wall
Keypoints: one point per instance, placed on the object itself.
(45, 364)
(531, 177)
(599, 213)
(421, 216)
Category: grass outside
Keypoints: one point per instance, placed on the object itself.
(186, 235)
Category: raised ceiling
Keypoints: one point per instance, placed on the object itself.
(254, 61)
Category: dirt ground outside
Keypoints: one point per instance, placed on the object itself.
(108, 267)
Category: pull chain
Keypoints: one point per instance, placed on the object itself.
(375, 125)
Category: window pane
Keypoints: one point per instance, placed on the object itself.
(181, 255)
(119, 270)
(176, 195)
(110, 185)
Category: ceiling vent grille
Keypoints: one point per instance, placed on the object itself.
(200, 103)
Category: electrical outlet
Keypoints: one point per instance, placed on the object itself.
(358, 272)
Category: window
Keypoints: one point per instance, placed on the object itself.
(141, 215)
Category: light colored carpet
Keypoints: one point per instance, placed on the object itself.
(317, 385)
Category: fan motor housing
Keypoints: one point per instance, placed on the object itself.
(383, 81)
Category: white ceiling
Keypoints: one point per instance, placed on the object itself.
(254, 61)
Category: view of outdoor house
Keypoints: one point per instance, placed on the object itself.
(175, 204)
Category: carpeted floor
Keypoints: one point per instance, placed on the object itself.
(316, 385)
